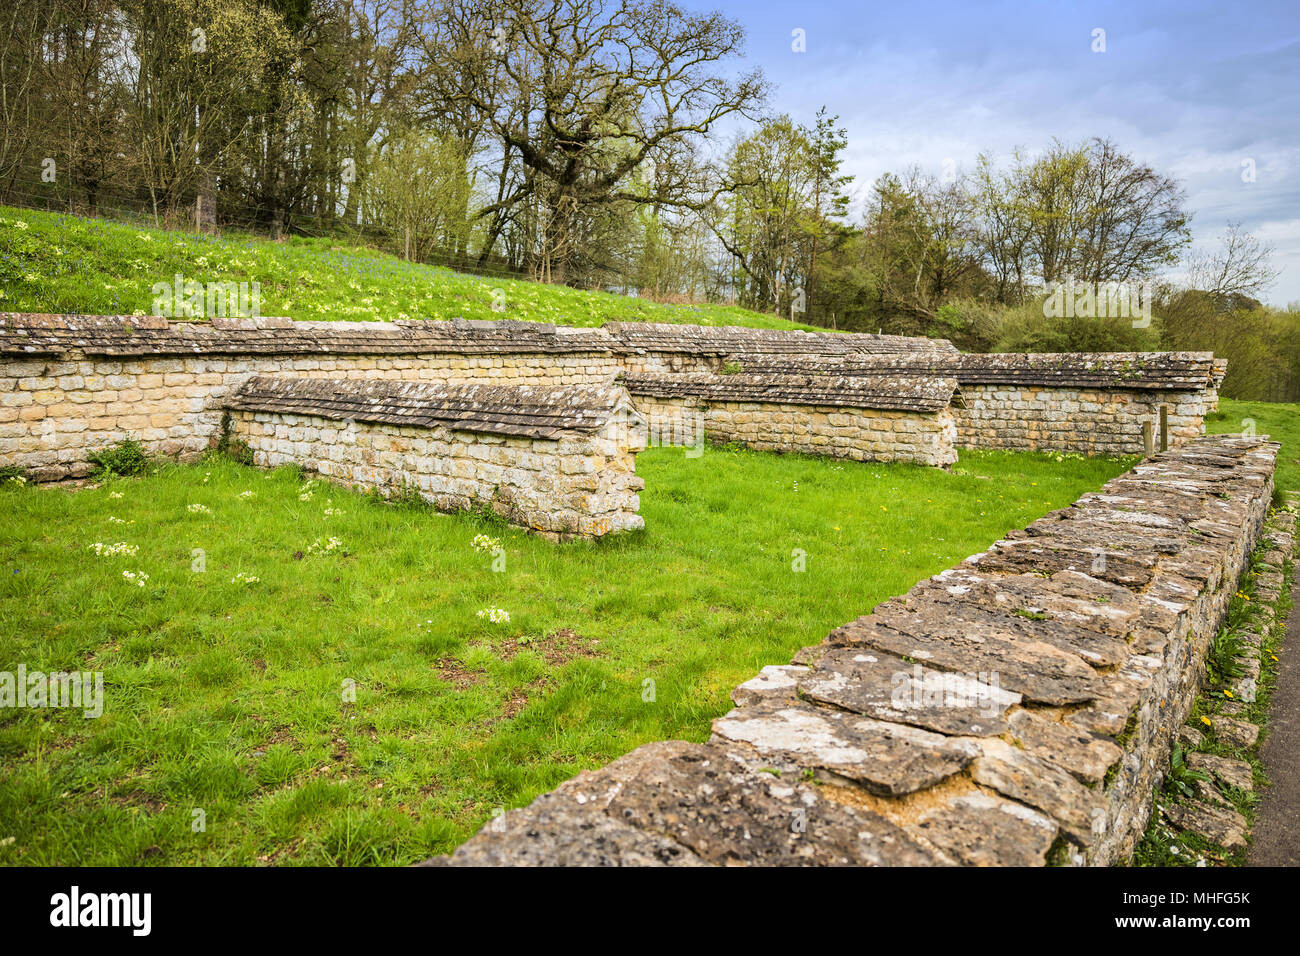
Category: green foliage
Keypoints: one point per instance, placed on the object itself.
(125, 459)
(1224, 650)
(1181, 779)
(1261, 344)
(1025, 328)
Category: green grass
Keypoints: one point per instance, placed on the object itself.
(64, 264)
(228, 697)
(1279, 421)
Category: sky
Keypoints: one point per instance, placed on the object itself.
(1206, 92)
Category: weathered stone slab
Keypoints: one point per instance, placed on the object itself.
(567, 836)
(1234, 773)
(926, 605)
(774, 682)
(1021, 776)
(1079, 753)
(886, 758)
(728, 814)
(1235, 733)
(1038, 671)
(1048, 554)
(888, 688)
(1220, 825)
(1068, 596)
(979, 830)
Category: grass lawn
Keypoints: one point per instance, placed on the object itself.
(1279, 421)
(56, 263)
(229, 697)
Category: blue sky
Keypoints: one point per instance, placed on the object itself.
(1193, 89)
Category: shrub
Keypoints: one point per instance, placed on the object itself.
(126, 458)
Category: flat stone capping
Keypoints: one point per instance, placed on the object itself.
(558, 461)
(126, 335)
(1130, 371)
(1014, 710)
(726, 340)
(888, 392)
(522, 410)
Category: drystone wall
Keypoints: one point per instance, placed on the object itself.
(70, 385)
(1014, 710)
(876, 419)
(1087, 421)
(560, 461)
(1089, 403)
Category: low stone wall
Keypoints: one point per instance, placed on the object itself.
(70, 385)
(1014, 710)
(1086, 403)
(837, 431)
(1085, 421)
(560, 461)
(653, 348)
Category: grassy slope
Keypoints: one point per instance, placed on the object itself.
(93, 266)
(227, 697)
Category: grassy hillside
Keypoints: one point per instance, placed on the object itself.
(56, 263)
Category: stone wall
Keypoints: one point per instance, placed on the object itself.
(559, 461)
(875, 418)
(1014, 710)
(837, 431)
(72, 385)
(1088, 421)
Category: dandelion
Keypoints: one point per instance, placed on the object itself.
(136, 577)
(1207, 722)
(198, 509)
(495, 614)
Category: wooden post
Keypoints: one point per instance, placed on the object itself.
(198, 213)
(1148, 438)
(1164, 427)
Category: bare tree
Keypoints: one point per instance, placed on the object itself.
(1239, 266)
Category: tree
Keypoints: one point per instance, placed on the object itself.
(587, 93)
(1240, 266)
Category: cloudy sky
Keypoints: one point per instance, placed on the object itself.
(1207, 92)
